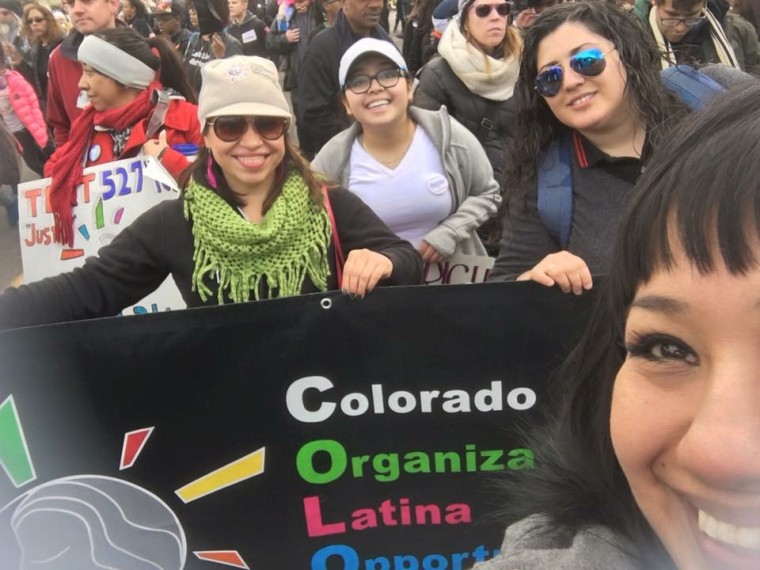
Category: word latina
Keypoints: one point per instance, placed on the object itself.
(400, 402)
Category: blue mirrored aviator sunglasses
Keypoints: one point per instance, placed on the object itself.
(589, 63)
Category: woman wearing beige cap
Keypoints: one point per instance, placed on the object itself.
(252, 223)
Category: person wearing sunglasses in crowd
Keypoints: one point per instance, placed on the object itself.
(698, 32)
(122, 77)
(474, 77)
(590, 87)
(253, 221)
(422, 172)
(44, 34)
(650, 458)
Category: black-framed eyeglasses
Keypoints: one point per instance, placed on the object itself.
(386, 78)
(233, 127)
(688, 22)
(484, 10)
(588, 62)
(31, 21)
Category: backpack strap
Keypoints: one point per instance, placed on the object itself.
(340, 259)
(555, 190)
(691, 86)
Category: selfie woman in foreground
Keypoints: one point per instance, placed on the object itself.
(653, 459)
(254, 222)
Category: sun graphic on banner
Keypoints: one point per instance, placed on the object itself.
(88, 521)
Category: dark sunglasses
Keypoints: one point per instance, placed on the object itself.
(484, 10)
(35, 21)
(386, 78)
(589, 63)
(232, 128)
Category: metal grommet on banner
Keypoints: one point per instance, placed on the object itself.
(326, 303)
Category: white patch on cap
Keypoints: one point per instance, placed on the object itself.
(236, 73)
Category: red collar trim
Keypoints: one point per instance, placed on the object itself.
(580, 152)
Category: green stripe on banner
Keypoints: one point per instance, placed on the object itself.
(14, 453)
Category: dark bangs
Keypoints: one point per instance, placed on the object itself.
(702, 186)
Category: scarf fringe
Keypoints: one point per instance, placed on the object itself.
(286, 281)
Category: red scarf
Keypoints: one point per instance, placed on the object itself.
(67, 171)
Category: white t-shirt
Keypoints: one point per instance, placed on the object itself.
(411, 199)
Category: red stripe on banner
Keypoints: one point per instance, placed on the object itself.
(71, 254)
(580, 153)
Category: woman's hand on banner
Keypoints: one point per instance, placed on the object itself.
(363, 270)
(429, 253)
(563, 269)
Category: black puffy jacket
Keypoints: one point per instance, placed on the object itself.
(490, 121)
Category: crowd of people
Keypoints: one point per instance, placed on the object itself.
(564, 139)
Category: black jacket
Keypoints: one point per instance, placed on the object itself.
(278, 44)
(160, 243)
(320, 114)
(252, 33)
(490, 121)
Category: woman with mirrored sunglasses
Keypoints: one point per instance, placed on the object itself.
(589, 100)
(422, 172)
(252, 222)
(474, 77)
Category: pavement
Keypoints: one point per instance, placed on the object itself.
(10, 252)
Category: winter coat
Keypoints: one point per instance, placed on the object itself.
(740, 33)
(181, 126)
(26, 105)
(252, 33)
(277, 43)
(64, 72)
(490, 121)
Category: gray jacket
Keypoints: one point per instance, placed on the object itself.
(475, 193)
(535, 544)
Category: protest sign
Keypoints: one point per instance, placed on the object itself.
(459, 269)
(313, 432)
(110, 198)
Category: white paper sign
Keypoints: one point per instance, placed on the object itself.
(110, 198)
(458, 269)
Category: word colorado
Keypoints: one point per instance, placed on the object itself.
(490, 399)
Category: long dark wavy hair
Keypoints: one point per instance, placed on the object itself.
(536, 126)
(698, 188)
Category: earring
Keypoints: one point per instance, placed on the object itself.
(210, 172)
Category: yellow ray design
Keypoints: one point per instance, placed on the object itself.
(232, 473)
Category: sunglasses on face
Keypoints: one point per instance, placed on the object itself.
(386, 78)
(31, 21)
(484, 10)
(232, 128)
(589, 63)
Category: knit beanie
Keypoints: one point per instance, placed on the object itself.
(463, 6)
(13, 6)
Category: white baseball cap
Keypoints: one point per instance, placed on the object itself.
(364, 47)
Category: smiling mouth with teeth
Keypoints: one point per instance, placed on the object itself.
(380, 103)
(746, 538)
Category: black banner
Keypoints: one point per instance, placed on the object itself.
(314, 432)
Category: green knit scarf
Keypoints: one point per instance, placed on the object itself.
(290, 243)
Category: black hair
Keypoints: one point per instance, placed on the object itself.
(423, 13)
(684, 5)
(699, 191)
(140, 10)
(172, 73)
(536, 126)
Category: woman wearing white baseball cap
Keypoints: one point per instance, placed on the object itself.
(253, 222)
(421, 171)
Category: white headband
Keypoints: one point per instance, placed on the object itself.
(117, 64)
